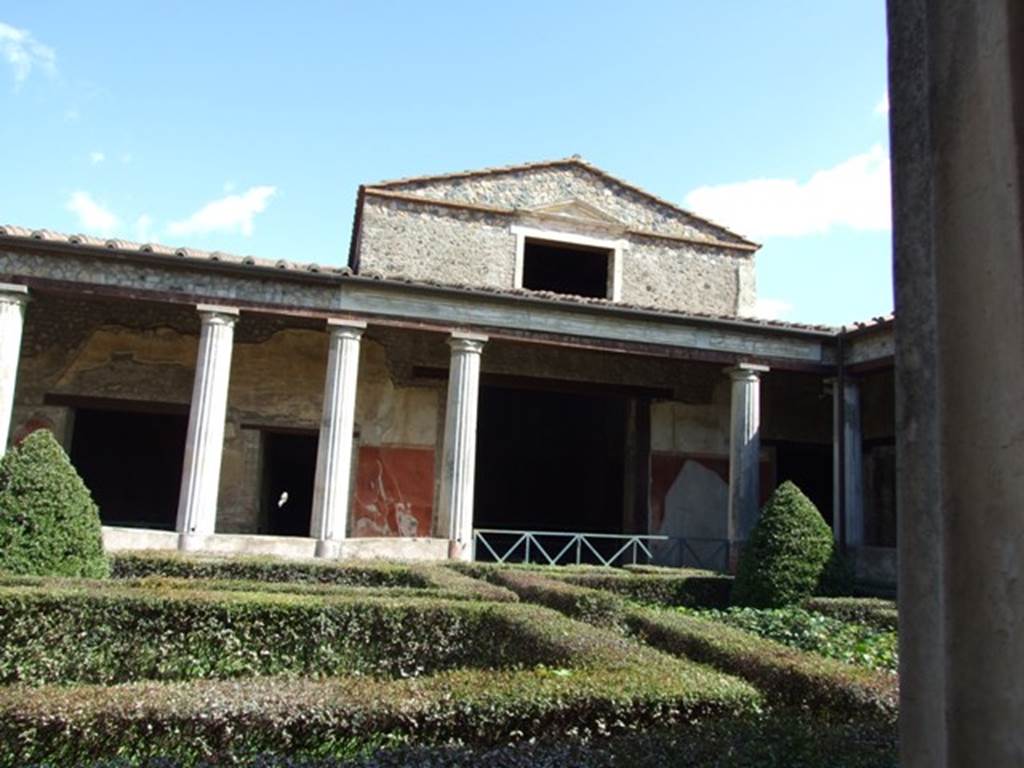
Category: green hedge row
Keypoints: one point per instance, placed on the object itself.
(133, 565)
(231, 722)
(784, 674)
(114, 633)
(872, 611)
(686, 587)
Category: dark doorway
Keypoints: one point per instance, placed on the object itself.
(289, 467)
(809, 466)
(550, 461)
(132, 464)
(565, 268)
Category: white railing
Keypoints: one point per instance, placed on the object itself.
(607, 549)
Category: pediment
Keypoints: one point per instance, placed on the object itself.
(575, 210)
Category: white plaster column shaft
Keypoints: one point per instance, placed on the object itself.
(848, 463)
(458, 469)
(744, 450)
(204, 445)
(334, 449)
(12, 319)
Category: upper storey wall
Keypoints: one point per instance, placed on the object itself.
(667, 258)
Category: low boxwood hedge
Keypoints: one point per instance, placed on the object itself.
(117, 633)
(873, 611)
(686, 587)
(784, 674)
(131, 565)
(231, 722)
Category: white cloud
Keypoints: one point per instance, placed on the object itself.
(92, 216)
(882, 107)
(233, 213)
(771, 309)
(853, 194)
(96, 157)
(23, 52)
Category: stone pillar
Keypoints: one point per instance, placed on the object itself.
(848, 464)
(12, 317)
(204, 445)
(334, 450)
(458, 467)
(744, 453)
(956, 126)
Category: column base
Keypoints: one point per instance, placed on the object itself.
(327, 548)
(459, 551)
(191, 542)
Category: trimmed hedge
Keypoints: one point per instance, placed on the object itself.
(784, 675)
(231, 722)
(592, 606)
(452, 581)
(49, 524)
(133, 565)
(787, 554)
(119, 634)
(686, 587)
(872, 611)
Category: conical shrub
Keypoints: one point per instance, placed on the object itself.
(787, 553)
(49, 524)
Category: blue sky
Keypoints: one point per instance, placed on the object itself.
(247, 126)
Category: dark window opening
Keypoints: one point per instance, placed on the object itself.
(289, 471)
(566, 268)
(131, 462)
(550, 461)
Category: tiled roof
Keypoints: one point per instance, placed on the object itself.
(573, 161)
(200, 258)
(192, 254)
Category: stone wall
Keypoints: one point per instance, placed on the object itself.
(539, 187)
(476, 249)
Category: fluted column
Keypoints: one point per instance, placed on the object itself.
(334, 450)
(744, 451)
(848, 463)
(459, 466)
(12, 317)
(204, 446)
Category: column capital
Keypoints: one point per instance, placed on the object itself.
(746, 371)
(217, 314)
(466, 342)
(345, 328)
(12, 293)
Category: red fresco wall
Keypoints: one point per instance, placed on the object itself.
(665, 467)
(394, 491)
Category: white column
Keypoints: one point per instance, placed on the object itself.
(459, 466)
(334, 450)
(204, 446)
(848, 462)
(744, 451)
(12, 318)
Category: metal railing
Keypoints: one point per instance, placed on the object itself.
(607, 549)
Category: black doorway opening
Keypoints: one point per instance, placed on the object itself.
(809, 466)
(289, 467)
(132, 464)
(550, 461)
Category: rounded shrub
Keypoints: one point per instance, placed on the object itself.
(49, 524)
(788, 551)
